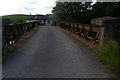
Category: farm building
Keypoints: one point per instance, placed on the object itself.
(41, 18)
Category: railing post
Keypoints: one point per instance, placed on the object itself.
(101, 36)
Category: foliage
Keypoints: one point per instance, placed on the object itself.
(109, 55)
(80, 12)
(17, 18)
(29, 27)
(69, 11)
(106, 9)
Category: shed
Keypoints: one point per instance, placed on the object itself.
(43, 19)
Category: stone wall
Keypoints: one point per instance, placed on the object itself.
(4, 21)
(106, 21)
(111, 26)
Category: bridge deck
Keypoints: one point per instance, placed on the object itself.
(52, 54)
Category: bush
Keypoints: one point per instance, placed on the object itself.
(29, 27)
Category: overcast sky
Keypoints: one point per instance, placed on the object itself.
(8, 7)
(26, 6)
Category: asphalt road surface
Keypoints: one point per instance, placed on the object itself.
(52, 54)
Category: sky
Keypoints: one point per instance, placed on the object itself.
(8, 7)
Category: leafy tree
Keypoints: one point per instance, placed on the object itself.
(80, 12)
(69, 11)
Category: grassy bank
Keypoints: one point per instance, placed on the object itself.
(17, 18)
(109, 55)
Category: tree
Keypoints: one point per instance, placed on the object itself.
(80, 12)
(69, 11)
(106, 9)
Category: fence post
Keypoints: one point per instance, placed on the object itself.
(101, 36)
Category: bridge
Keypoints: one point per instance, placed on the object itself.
(50, 53)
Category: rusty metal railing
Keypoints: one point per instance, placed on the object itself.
(12, 32)
(88, 32)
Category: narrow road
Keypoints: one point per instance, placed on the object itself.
(52, 54)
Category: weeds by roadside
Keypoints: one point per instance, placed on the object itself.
(109, 55)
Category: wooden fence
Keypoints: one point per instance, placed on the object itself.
(91, 33)
(11, 33)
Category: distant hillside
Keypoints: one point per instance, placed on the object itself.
(16, 18)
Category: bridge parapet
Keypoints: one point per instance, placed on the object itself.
(111, 26)
(100, 28)
(85, 31)
(12, 32)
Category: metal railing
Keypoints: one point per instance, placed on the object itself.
(12, 32)
(91, 33)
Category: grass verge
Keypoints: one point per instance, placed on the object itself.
(109, 55)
